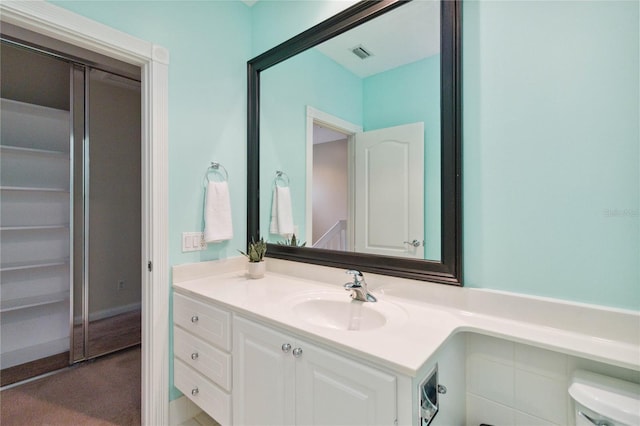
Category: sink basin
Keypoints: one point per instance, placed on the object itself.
(337, 311)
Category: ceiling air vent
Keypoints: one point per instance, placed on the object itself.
(361, 52)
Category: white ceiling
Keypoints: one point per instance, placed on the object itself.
(406, 34)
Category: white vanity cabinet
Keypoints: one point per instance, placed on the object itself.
(202, 358)
(282, 380)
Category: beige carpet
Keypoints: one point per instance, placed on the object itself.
(102, 392)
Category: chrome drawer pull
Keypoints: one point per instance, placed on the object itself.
(286, 347)
(194, 319)
(297, 352)
(194, 356)
(195, 391)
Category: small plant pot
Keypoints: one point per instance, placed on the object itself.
(256, 269)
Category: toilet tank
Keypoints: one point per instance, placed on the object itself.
(604, 401)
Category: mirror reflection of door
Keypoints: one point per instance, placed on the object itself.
(389, 191)
(368, 190)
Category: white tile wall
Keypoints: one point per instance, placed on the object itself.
(481, 410)
(491, 380)
(541, 396)
(523, 419)
(540, 361)
(515, 384)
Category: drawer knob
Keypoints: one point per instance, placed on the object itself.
(194, 356)
(297, 352)
(195, 391)
(286, 347)
(194, 319)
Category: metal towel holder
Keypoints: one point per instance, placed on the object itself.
(282, 177)
(216, 168)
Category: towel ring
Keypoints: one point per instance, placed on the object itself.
(216, 168)
(282, 177)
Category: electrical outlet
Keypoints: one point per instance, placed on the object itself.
(201, 242)
(120, 285)
(193, 241)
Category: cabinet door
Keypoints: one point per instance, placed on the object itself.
(263, 376)
(333, 390)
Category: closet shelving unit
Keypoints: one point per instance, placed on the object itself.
(35, 167)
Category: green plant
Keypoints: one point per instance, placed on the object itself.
(256, 251)
(292, 242)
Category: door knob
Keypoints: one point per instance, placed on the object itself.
(297, 352)
(194, 356)
(194, 319)
(286, 347)
(414, 243)
(195, 391)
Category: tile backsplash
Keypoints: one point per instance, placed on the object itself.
(510, 383)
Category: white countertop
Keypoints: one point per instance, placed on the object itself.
(424, 316)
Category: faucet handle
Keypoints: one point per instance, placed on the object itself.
(357, 275)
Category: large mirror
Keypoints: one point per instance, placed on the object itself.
(354, 142)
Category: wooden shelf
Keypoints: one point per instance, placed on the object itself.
(33, 301)
(33, 265)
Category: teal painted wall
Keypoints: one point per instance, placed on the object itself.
(551, 149)
(209, 44)
(404, 95)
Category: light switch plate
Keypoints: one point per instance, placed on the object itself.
(193, 241)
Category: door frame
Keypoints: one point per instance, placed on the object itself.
(58, 23)
(350, 129)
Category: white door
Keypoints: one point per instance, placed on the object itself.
(389, 191)
(332, 390)
(263, 376)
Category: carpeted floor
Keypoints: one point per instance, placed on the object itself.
(102, 392)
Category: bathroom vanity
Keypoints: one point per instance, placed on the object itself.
(287, 349)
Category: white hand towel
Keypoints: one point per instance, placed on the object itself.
(217, 213)
(281, 212)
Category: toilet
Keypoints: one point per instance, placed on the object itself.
(604, 401)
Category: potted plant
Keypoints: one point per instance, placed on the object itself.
(255, 254)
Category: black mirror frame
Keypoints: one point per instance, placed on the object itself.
(449, 269)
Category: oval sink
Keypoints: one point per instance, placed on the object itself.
(339, 312)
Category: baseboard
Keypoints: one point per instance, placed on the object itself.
(181, 410)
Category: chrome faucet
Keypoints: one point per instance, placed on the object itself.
(358, 287)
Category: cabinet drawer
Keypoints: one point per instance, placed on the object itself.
(213, 400)
(211, 324)
(211, 362)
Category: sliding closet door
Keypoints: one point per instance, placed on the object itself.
(70, 207)
(113, 208)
